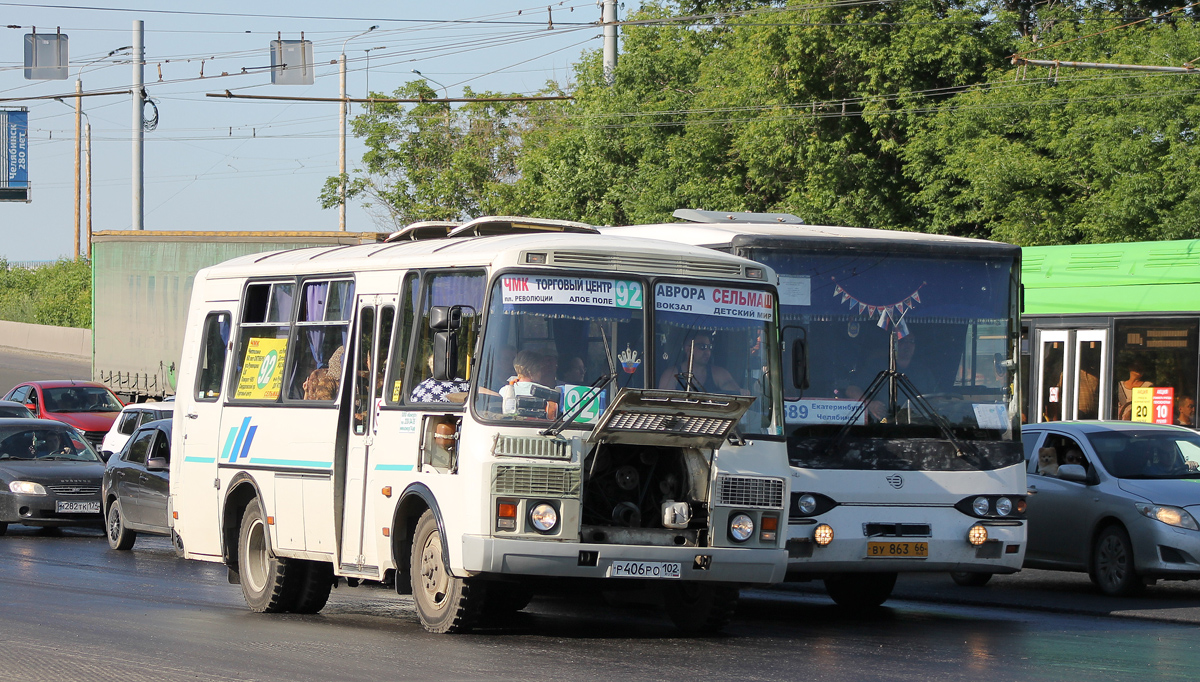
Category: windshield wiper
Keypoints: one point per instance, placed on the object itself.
(566, 416)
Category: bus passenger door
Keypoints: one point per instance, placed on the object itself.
(1052, 374)
(1090, 373)
(372, 332)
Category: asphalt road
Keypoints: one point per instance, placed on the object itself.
(17, 366)
(71, 609)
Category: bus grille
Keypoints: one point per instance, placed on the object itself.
(744, 491)
(636, 263)
(536, 481)
(524, 446)
(669, 423)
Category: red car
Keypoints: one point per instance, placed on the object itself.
(88, 406)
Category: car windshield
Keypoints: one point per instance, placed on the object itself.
(549, 338)
(947, 322)
(45, 444)
(80, 399)
(15, 412)
(1148, 454)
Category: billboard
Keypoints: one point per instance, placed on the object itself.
(14, 155)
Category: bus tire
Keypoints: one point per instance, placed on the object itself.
(119, 537)
(860, 590)
(700, 608)
(314, 580)
(970, 579)
(1112, 568)
(264, 576)
(445, 604)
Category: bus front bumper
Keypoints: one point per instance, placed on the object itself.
(483, 554)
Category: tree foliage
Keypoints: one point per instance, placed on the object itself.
(899, 115)
(58, 294)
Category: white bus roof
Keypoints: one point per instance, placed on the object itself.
(577, 251)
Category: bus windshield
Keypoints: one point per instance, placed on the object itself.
(948, 322)
(549, 338)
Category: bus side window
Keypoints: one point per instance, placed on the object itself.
(212, 357)
(447, 289)
(393, 392)
(261, 349)
(318, 352)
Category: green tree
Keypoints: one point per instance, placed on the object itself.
(429, 161)
(58, 294)
(1049, 157)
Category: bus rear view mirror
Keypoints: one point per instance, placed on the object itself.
(796, 338)
(445, 320)
(445, 317)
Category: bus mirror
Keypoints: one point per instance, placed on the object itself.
(800, 364)
(445, 355)
(445, 317)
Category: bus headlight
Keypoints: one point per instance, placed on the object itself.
(823, 534)
(1004, 506)
(27, 488)
(741, 527)
(807, 504)
(981, 506)
(977, 535)
(544, 517)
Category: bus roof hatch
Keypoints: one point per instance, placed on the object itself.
(696, 216)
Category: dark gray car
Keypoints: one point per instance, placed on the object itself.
(136, 486)
(1116, 499)
(11, 410)
(49, 475)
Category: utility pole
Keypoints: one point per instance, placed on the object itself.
(87, 147)
(78, 139)
(608, 19)
(139, 152)
(344, 109)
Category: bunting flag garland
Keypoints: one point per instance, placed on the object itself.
(892, 313)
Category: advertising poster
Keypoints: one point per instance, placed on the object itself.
(262, 370)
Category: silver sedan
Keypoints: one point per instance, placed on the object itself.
(1118, 500)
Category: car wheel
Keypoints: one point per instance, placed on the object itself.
(860, 590)
(1112, 564)
(264, 576)
(699, 608)
(119, 537)
(970, 579)
(445, 604)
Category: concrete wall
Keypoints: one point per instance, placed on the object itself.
(46, 339)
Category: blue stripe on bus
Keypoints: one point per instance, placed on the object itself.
(229, 443)
(249, 440)
(237, 444)
(200, 460)
(291, 463)
(393, 467)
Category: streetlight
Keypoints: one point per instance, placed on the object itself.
(368, 70)
(444, 90)
(344, 110)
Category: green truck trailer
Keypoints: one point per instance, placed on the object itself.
(141, 288)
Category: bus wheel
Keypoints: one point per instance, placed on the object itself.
(698, 608)
(860, 590)
(177, 543)
(119, 537)
(1112, 564)
(314, 580)
(265, 583)
(445, 604)
(970, 579)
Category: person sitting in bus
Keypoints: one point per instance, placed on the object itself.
(433, 391)
(320, 385)
(535, 379)
(696, 358)
(574, 372)
(1186, 412)
(906, 350)
(1137, 372)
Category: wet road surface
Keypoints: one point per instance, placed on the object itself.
(71, 608)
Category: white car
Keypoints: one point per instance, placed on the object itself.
(131, 417)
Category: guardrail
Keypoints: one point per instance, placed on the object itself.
(43, 338)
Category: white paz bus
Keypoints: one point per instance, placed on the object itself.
(473, 412)
(903, 418)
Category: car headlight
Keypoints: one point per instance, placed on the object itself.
(741, 527)
(29, 488)
(543, 517)
(981, 506)
(1004, 506)
(1172, 516)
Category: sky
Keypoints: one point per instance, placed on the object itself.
(220, 164)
